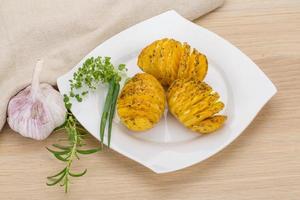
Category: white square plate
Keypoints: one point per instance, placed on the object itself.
(243, 87)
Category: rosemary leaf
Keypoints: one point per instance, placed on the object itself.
(57, 180)
(61, 147)
(89, 151)
(59, 173)
(79, 174)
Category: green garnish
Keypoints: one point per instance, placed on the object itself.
(93, 72)
(90, 74)
(69, 152)
(107, 108)
(112, 109)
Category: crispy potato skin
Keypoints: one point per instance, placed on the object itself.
(195, 105)
(141, 102)
(168, 60)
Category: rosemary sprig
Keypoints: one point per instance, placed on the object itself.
(68, 153)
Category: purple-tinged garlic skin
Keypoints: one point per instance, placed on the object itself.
(36, 110)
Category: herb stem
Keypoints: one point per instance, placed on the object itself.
(67, 153)
(70, 160)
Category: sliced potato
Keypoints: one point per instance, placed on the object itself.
(168, 60)
(184, 60)
(195, 105)
(210, 124)
(141, 102)
(137, 123)
(201, 67)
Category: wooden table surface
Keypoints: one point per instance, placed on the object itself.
(263, 163)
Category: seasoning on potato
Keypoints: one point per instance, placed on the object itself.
(141, 103)
(168, 60)
(195, 105)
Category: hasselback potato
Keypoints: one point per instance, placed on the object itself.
(168, 60)
(195, 105)
(141, 102)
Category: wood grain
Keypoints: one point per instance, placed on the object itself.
(263, 163)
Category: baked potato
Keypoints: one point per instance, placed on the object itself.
(195, 105)
(168, 60)
(141, 102)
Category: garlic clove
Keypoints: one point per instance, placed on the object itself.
(36, 110)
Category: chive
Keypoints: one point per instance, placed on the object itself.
(112, 110)
(106, 108)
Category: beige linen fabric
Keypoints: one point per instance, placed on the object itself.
(63, 31)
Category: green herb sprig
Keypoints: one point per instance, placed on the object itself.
(93, 72)
(69, 152)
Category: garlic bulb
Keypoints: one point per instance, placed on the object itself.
(36, 110)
